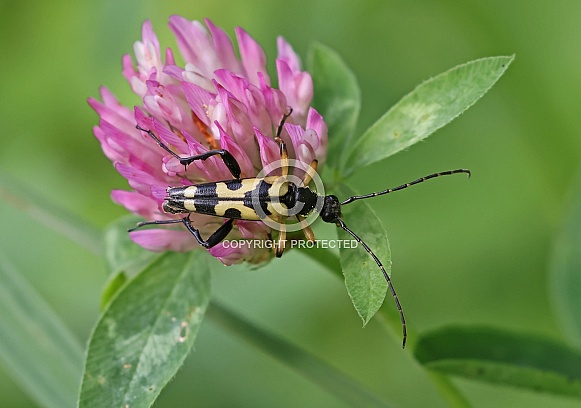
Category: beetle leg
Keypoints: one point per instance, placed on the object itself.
(281, 243)
(283, 150)
(281, 123)
(283, 158)
(215, 238)
(309, 173)
(227, 157)
(307, 230)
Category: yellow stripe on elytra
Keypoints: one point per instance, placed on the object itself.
(190, 192)
(228, 197)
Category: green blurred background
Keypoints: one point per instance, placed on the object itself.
(464, 251)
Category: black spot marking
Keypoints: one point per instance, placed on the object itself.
(205, 191)
(206, 205)
(233, 185)
(258, 196)
(206, 199)
(232, 213)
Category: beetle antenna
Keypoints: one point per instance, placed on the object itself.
(341, 224)
(406, 185)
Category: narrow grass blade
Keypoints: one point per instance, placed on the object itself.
(566, 270)
(42, 209)
(35, 345)
(306, 364)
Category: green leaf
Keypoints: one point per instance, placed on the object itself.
(502, 357)
(125, 259)
(146, 332)
(323, 257)
(336, 96)
(36, 347)
(306, 364)
(427, 108)
(121, 253)
(566, 270)
(364, 280)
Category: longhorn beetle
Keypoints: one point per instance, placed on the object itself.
(254, 199)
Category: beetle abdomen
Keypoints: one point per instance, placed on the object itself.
(245, 199)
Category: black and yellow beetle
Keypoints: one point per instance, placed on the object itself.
(255, 199)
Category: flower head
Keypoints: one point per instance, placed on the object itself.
(215, 101)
